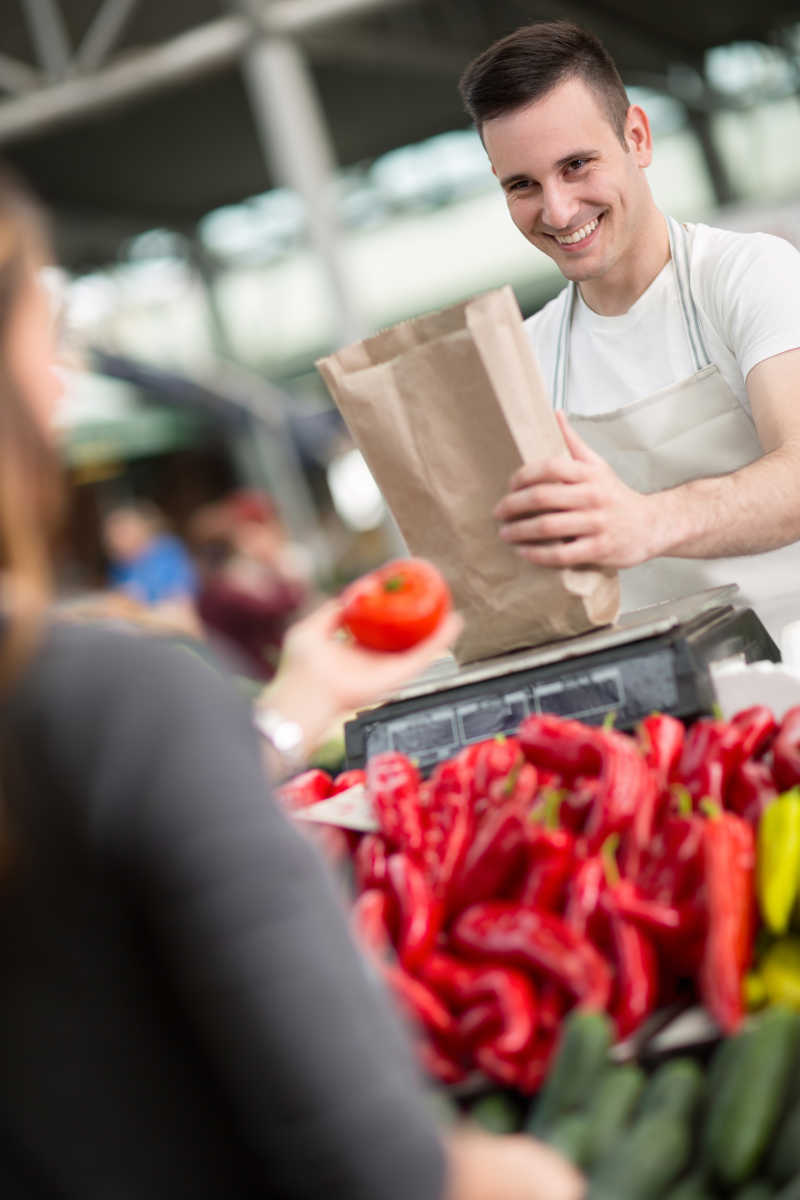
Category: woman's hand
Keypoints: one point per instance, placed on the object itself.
(490, 1167)
(323, 675)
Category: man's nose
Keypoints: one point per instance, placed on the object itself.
(559, 205)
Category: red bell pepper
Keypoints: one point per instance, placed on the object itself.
(489, 761)
(729, 857)
(553, 1004)
(369, 862)
(786, 750)
(757, 728)
(479, 1024)
(636, 990)
(711, 752)
(661, 739)
(307, 788)
(584, 894)
(447, 822)
(418, 1001)
(498, 850)
(674, 869)
(750, 789)
(500, 1068)
(626, 785)
(551, 863)
(393, 784)
(439, 1060)
(558, 744)
(348, 779)
(474, 987)
(372, 921)
(538, 941)
(419, 912)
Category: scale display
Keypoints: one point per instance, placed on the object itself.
(665, 672)
(627, 689)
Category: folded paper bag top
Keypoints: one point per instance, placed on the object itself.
(444, 407)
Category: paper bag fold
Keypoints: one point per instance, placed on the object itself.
(444, 408)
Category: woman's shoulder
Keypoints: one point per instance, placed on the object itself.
(98, 680)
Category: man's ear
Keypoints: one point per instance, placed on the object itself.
(638, 137)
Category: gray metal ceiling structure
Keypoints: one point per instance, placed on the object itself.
(129, 114)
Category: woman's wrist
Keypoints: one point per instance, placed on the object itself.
(305, 711)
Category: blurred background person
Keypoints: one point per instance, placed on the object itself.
(149, 564)
(183, 1012)
(253, 581)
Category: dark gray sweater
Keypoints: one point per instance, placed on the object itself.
(182, 1012)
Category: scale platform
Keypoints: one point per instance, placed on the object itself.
(654, 658)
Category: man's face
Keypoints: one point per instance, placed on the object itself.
(572, 188)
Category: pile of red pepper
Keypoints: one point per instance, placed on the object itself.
(570, 865)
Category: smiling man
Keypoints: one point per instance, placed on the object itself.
(672, 355)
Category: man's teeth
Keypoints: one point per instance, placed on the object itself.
(579, 234)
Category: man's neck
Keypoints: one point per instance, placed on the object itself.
(615, 292)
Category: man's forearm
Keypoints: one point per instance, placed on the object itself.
(753, 509)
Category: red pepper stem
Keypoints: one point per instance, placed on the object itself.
(547, 810)
(608, 853)
(683, 799)
(610, 719)
(511, 778)
(395, 583)
(711, 809)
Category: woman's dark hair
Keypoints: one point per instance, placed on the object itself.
(30, 477)
(529, 63)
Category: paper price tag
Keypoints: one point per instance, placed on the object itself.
(350, 809)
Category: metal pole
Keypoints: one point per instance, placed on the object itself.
(199, 52)
(16, 76)
(268, 453)
(49, 34)
(295, 140)
(103, 33)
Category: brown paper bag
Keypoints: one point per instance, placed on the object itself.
(444, 408)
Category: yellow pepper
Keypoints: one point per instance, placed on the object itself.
(778, 860)
(780, 972)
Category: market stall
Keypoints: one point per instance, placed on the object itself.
(593, 932)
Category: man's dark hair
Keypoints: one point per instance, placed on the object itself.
(529, 63)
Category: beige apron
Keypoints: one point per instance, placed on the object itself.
(693, 429)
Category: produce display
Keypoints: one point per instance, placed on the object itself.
(395, 606)
(685, 1130)
(538, 897)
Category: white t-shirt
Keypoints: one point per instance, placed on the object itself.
(746, 287)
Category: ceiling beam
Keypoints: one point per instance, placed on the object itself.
(48, 32)
(103, 33)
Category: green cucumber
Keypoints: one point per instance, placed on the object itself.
(783, 1156)
(581, 1056)
(568, 1135)
(744, 1111)
(645, 1161)
(756, 1189)
(496, 1112)
(611, 1106)
(692, 1187)
(677, 1086)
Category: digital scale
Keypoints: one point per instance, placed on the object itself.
(655, 658)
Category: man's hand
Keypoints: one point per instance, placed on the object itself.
(574, 510)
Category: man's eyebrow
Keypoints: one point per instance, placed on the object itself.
(562, 162)
(509, 179)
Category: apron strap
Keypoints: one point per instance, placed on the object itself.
(562, 349)
(679, 249)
